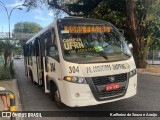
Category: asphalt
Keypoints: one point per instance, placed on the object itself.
(13, 86)
(140, 71)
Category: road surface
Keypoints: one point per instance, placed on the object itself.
(34, 99)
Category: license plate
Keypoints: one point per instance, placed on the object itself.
(113, 86)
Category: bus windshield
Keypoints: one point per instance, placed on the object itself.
(92, 43)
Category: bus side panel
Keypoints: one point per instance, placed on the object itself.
(26, 66)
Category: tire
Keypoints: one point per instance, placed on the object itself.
(57, 100)
(26, 71)
(52, 92)
(56, 96)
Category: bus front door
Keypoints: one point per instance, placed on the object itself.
(39, 62)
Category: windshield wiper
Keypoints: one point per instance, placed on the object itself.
(103, 54)
(99, 50)
(126, 54)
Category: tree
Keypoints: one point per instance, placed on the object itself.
(54, 4)
(142, 21)
(6, 47)
(139, 18)
(26, 27)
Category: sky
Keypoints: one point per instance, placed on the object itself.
(42, 15)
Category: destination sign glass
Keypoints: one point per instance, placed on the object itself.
(87, 29)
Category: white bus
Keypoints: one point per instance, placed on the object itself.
(81, 62)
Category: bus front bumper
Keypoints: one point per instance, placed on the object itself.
(76, 95)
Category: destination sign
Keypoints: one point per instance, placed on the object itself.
(87, 29)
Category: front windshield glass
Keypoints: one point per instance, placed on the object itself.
(83, 43)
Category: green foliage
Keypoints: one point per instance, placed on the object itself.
(148, 17)
(142, 23)
(12, 71)
(20, 43)
(111, 11)
(27, 27)
(7, 45)
(18, 52)
(83, 7)
(5, 72)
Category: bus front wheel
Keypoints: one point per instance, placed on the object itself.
(57, 100)
(55, 95)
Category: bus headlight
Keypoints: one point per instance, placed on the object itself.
(132, 73)
(74, 79)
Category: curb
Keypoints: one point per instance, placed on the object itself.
(17, 89)
(18, 94)
(18, 100)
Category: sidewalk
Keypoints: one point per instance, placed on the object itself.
(140, 71)
(12, 86)
(155, 62)
(150, 70)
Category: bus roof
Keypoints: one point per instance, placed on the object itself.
(78, 19)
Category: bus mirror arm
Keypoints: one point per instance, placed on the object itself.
(121, 31)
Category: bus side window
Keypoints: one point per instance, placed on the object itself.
(33, 53)
(29, 54)
(53, 52)
(52, 48)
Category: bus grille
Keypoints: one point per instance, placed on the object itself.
(105, 79)
(102, 81)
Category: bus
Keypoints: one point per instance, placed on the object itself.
(81, 62)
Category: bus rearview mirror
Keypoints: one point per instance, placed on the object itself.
(130, 45)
